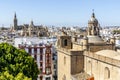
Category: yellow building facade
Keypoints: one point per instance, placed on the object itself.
(87, 58)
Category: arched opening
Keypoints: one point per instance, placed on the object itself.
(65, 42)
(89, 67)
(64, 60)
(64, 77)
(107, 73)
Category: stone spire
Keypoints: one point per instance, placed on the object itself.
(15, 21)
(15, 16)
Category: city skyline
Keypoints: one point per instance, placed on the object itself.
(60, 12)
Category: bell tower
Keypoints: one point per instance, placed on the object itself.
(93, 27)
(15, 22)
(64, 41)
(70, 60)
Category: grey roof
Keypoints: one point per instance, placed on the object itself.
(95, 39)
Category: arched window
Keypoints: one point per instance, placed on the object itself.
(64, 60)
(89, 67)
(64, 77)
(107, 73)
(65, 42)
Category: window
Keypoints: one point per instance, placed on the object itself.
(65, 42)
(89, 67)
(41, 50)
(107, 73)
(55, 66)
(75, 39)
(48, 78)
(41, 78)
(35, 50)
(41, 57)
(64, 60)
(64, 77)
(40, 64)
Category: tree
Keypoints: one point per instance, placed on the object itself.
(17, 61)
(6, 76)
(116, 31)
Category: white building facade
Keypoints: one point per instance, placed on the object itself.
(42, 51)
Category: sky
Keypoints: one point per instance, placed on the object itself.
(60, 12)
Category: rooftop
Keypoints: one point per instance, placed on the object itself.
(108, 53)
(95, 39)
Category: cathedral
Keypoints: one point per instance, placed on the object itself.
(87, 58)
(30, 30)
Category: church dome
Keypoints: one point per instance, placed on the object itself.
(93, 19)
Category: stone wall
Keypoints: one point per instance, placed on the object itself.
(95, 48)
(95, 65)
(70, 62)
(64, 68)
(77, 46)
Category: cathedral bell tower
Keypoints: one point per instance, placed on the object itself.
(93, 27)
(15, 22)
(64, 41)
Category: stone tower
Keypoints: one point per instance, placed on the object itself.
(15, 22)
(31, 27)
(93, 27)
(64, 41)
(70, 60)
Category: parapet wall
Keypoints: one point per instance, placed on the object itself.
(104, 59)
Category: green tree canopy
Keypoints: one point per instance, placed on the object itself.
(6, 76)
(17, 61)
(116, 31)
